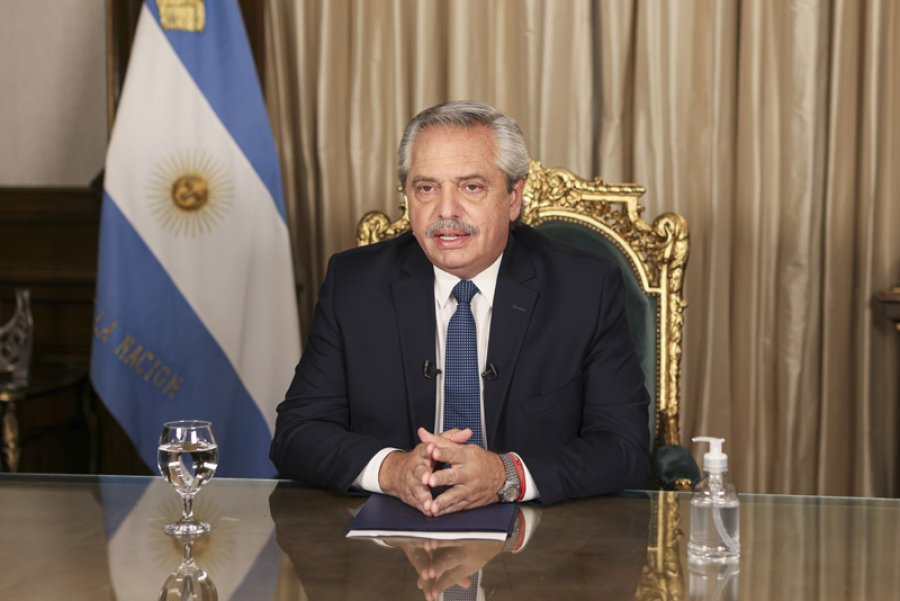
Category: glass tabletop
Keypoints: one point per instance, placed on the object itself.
(83, 537)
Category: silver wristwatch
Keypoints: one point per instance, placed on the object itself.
(512, 487)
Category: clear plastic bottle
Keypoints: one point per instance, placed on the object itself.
(715, 520)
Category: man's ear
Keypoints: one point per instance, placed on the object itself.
(515, 207)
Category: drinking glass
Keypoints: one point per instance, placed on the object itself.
(187, 459)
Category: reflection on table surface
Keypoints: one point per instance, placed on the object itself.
(101, 538)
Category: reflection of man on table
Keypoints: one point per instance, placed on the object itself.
(457, 564)
(397, 345)
(582, 550)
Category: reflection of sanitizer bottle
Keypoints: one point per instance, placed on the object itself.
(711, 581)
(715, 530)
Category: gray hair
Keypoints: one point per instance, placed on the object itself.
(511, 151)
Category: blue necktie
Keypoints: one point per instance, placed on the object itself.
(462, 389)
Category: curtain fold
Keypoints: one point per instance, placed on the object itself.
(770, 125)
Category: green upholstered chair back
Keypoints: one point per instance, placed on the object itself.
(606, 219)
(640, 308)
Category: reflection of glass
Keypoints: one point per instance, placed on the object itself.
(189, 582)
(187, 459)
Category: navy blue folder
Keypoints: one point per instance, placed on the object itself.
(383, 515)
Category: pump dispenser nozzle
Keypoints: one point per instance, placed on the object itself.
(714, 461)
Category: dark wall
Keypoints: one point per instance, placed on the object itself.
(48, 244)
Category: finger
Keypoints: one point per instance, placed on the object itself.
(445, 561)
(431, 593)
(459, 436)
(417, 495)
(451, 500)
(426, 502)
(430, 441)
(449, 433)
(421, 561)
(455, 576)
(455, 437)
(425, 435)
(426, 585)
(427, 506)
(450, 454)
(422, 454)
(422, 473)
(433, 544)
(445, 477)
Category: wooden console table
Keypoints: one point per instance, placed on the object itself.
(68, 382)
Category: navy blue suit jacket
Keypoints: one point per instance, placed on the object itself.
(569, 396)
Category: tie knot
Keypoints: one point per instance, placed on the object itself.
(464, 291)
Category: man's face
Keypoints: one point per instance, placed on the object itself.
(458, 204)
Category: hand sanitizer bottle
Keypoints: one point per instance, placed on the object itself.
(715, 530)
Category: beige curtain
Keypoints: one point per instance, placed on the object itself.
(771, 125)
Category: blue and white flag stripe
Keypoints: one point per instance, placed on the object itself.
(219, 66)
(196, 314)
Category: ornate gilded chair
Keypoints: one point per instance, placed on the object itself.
(606, 219)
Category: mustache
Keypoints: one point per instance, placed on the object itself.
(450, 224)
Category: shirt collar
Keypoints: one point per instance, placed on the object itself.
(486, 281)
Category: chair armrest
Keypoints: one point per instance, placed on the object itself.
(675, 468)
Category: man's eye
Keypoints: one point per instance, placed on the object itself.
(425, 188)
(473, 187)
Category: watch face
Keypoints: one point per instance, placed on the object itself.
(510, 493)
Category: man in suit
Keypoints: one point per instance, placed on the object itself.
(560, 409)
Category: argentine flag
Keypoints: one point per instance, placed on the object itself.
(195, 314)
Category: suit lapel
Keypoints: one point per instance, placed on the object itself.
(413, 300)
(514, 301)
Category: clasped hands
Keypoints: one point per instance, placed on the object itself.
(472, 476)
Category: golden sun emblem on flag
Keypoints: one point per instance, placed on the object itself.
(190, 193)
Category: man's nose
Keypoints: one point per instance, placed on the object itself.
(449, 202)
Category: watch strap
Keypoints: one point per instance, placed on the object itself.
(512, 479)
(520, 472)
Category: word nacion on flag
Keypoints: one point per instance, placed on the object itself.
(196, 314)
